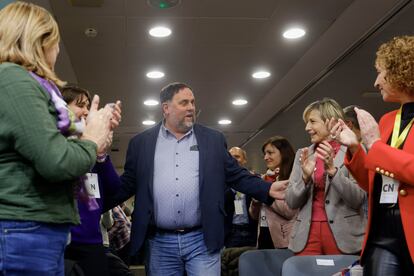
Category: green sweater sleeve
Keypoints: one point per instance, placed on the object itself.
(29, 122)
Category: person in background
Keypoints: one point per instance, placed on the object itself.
(386, 171)
(242, 235)
(86, 245)
(116, 266)
(120, 233)
(276, 220)
(105, 224)
(243, 228)
(331, 219)
(351, 120)
(39, 165)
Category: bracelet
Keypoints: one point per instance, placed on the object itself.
(101, 158)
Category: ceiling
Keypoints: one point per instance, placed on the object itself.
(215, 46)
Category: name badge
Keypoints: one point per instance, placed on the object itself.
(389, 190)
(263, 221)
(238, 207)
(325, 262)
(92, 185)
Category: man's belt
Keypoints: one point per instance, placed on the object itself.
(176, 231)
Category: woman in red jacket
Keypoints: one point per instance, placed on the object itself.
(386, 172)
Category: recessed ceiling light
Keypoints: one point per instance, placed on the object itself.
(160, 31)
(294, 33)
(150, 102)
(261, 74)
(155, 74)
(239, 102)
(224, 122)
(148, 123)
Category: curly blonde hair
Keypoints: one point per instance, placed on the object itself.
(397, 58)
(26, 30)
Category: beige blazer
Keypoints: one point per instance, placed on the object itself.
(280, 219)
(343, 206)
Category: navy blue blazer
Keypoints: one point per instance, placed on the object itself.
(217, 169)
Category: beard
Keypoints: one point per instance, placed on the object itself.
(185, 125)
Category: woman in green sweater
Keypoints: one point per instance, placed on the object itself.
(38, 164)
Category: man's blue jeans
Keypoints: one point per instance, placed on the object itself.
(172, 254)
(32, 248)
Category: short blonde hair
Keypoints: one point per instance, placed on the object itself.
(327, 107)
(397, 58)
(26, 30)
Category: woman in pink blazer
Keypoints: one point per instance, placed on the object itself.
(276, 220)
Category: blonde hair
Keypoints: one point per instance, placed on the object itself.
(397, 58)
(327, 107)
(26, 30)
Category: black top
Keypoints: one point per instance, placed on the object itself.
(406, 115)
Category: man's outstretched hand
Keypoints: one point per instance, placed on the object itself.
(278, 189)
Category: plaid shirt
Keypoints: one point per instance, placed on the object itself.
(120, 232)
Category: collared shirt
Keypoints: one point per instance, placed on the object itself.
(120, 232)
(176, 181)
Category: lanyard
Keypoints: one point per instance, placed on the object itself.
(396, 139)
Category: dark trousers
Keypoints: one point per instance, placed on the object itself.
(265, 240)
(382, 262)
(124, 253)
(386, 252)
(240, 236)
(90, 257)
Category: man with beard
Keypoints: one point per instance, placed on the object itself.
(178, 171)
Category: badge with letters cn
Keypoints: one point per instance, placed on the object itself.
(389, 190)
(92, 185)
(238, 207)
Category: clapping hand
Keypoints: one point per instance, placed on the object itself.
(98, 127)
(369, 128)
(325, 152)
(104, 149)
(342, 133)
(307, 164)
(116, 114)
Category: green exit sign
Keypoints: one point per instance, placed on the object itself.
(163, 4)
